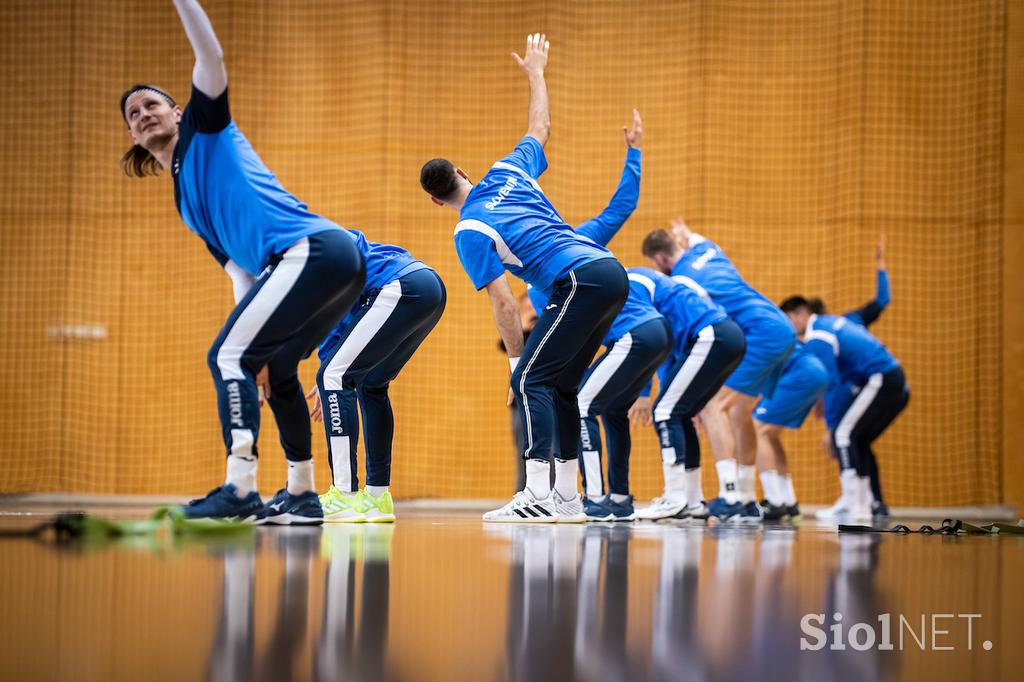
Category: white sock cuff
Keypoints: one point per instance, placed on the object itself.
(300, 477)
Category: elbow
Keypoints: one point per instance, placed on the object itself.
(540, 131)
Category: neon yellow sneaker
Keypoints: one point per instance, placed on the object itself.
(342, 508)
(377, 509)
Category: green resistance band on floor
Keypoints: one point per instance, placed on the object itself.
(948, 527)
(77, 525)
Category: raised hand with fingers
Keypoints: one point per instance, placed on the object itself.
(681, 231)
(634, 135)
(880, 253)
(535, 58)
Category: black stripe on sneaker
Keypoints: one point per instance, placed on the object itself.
(520, 512)
(532, 513)
(542, 510)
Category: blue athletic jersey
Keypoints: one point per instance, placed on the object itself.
(706, 264)
(686, 311)
(849, 352)
(227, 196)
(507, 223)
(384, 262)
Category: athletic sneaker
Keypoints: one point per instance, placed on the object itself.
(377, 509)
(340, 507)
(843, 511)
(621, 511)
(694, 512)
(724, 511)
(661, 508)
(793, 512)
(773, 512)
(751, 513)
(570, 510)
(598, 510)
(223, 502)
(838, 510)
(525, 508)
(879, 510)
(286, 509)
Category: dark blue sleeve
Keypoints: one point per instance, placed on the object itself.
(870, 311)
(206, 115)
(529, 156)
(221, 258)
(479, 258)
(606, 224)
(538, 299)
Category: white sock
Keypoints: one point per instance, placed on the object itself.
(727, 480)
(747, 478)
(300, 477)
(619, 499)
(788, 494)
(694, 487)
(567, 473)
(848, 484)
(865, 495)
(242, 473)
(538, 477)
(770, 484)
(675, 482)
(376, 490)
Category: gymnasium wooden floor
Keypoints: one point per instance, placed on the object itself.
(445, 597)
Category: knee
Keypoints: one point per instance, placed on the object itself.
(284, 378)
(373, 390)
(741, 408)
(767, 431)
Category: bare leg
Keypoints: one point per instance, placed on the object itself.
(770, 454)
(741, 414)
(718, 428)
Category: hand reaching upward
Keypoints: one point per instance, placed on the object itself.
(681, 231)
(634, 136)
(536, 56)
(880, 253)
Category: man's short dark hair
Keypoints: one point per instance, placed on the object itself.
(439, 179)
(794, 304)
(659, 241)
(817, 306)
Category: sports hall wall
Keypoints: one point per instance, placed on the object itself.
(792, 132)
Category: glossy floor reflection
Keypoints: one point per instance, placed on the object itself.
(444, 597)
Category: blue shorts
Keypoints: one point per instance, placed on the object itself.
(768, 349)
(803, 383)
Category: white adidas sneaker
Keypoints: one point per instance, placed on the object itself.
(569, 510)
(525, 508)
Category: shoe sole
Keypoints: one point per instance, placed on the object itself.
(517, 519)
(600, 519)
(344, 519)
(575, 518)
(383, 518)
(290, 520)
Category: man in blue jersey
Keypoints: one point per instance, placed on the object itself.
(295, 273)
(852, 355)
(703, 265)
(707, 347)
(840, 397)
(402, 301)
(507, 223)
(637, 342)
(804, 382)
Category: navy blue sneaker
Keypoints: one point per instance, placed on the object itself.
(223, 502)
(724, 511)
(751, 513)
(793, 512)
(621, 511)
(285, 509)
(599, 510)
(879, 510)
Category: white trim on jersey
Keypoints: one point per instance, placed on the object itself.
(603, 373)
(266, 301)
(516, 169)
(362, 335)
(684, 377)
(504, 253)
(692, 284)
(643, 280)
(529, 364)
(856, 410)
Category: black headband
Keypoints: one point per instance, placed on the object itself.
(139, 86)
